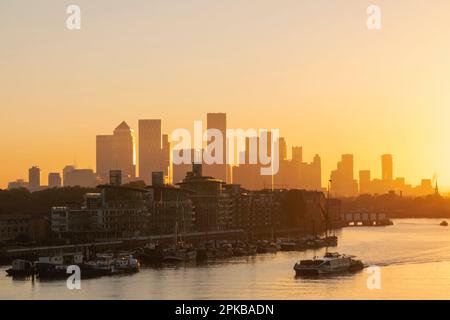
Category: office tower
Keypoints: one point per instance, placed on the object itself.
(165, 158)
(251, 150)
(364, 182)
(282, 148)
(79, 177)
(297, 154)
(149, 148)
(54, 180)
(19, 183)
(34, 178)
(218, 121)
(316, 174)
(104, 156)
(115, 177)
(346, 166)
(180, 170)
(342, 182)
(123, 152)
(310, 177)
(66, 171)
(386, 167)
(116, 152)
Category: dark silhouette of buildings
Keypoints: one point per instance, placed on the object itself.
(151, 157)
(218, 121)
(34, 178)
(342, 182)
(116, 152)
(79, 177)
(54, 180)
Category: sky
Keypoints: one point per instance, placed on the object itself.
(308, 67)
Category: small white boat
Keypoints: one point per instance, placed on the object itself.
(331, 262)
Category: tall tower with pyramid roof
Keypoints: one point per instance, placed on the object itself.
(116, 152)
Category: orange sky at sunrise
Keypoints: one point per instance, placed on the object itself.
(310, 68)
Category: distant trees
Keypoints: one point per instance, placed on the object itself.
(432, 206)
(23, 201)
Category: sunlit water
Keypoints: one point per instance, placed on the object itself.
(414, 256)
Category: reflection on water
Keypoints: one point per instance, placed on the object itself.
(414, 256)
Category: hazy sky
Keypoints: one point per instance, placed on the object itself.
(310, 68)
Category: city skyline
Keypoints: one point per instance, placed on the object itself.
(118, 152)
(340, 89)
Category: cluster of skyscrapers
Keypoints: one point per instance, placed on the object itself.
(343, 183)
(154, 154)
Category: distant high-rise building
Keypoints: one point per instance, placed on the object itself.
(19, 183)
(166, 165)
(54, 180)
(115, 177)
(79, 177)
(282, 148)
(364, 182)
(116, 152)
(180, 170)
(124, 152)
(34, 178)
(386, 167)
(104, 156)
(342, 182)
(67, 169)
(150, 151)
(251, 150)
(310, 174)
(297, 154)
(218, 121)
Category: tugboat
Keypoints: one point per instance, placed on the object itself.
(21, 268)
(332, 262)
(444, 223)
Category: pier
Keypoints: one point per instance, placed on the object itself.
(366, 219)
(33, 253)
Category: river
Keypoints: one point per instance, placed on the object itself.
(413, 256)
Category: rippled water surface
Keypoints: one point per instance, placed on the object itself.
(414, 256)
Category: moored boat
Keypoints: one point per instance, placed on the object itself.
(127, 264)
(444, 223)
(331, 262)
(287, 244)
(267, 247)
(21, 268)
(55, 267)
(151, 253)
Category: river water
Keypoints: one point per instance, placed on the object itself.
(413, 256)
